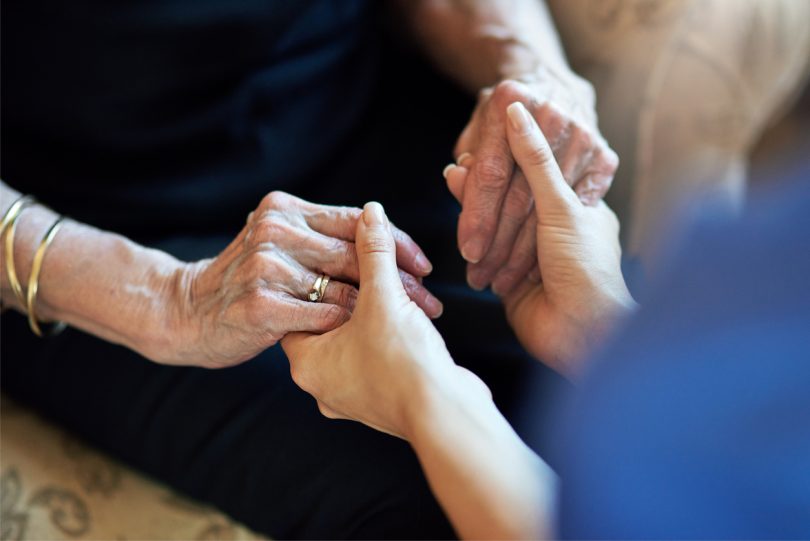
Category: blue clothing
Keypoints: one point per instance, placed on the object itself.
(695, 421)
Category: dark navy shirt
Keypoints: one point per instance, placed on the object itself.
(695, 422)
(179, 113)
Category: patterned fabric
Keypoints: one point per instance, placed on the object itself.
(54, 487)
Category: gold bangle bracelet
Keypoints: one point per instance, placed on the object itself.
(33, 281)
(10, 223)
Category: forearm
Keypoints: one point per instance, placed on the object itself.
(490, 484)
(96, 281)
(480, 42)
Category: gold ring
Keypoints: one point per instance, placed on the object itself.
(318, 290)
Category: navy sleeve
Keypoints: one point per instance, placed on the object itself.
(695, 422)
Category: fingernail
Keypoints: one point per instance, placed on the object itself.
(373, 214)
(464, 157)
(447, 169)
(473, 251)
(519, 117)
(496, 288)
(422, 263)
(434, 306)
(474, 281)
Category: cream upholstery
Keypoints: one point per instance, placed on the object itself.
(685, 88)
(53, 487)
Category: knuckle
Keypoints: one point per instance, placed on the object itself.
(331, 318)
(351, 214)
(257, 306)
(493, 172)
(346, 253)
(347, 296)
(582, 137)
(538, 157)
(276, 200)
(609, 158)
(269, 228)
(258, 264)
(376, 244)
(510, 91)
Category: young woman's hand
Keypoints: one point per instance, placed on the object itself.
(382, 362)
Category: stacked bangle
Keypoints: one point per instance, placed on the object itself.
(33, 282)
(10, 223)
(27, 300)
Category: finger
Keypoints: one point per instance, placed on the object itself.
(484, 193)
(576, 155)
(341, 223)
(336, 292)
(314, 317)
(594, 184)
(418, 293)
(521, 261)
(318, 254)
(517, 207)
(551, 193)
(594, 181)
(556, 127)
(456, 177)
(378, 271)
(376, 254)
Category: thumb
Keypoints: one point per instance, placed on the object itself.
(376, 252)
(295, 345)
(536, 159)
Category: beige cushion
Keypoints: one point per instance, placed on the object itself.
(54, 487)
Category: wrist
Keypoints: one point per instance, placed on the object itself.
(125, 299)
(609, 309)
(174, 335)
(440, 398)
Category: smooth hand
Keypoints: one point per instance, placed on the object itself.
(581, 290)
(379, 364)
(496, 226)
(246, 299)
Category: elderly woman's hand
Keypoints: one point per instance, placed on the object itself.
(581, 288)
(373, 368)
(256, 291)
(496, 226)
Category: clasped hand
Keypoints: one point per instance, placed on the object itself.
(496, 229)
(388, 358)
(232, 307)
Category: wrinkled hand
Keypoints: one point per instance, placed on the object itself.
(371, 369)
(582, 289)
(496, 226)
(243, 301)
